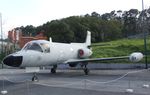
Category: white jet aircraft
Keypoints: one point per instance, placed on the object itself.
(47, 53)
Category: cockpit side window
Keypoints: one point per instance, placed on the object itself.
(46, 47)
(33, 46)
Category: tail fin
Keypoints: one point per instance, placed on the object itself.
(88, 39)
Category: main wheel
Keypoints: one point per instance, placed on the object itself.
(86, 71)
(53, 71)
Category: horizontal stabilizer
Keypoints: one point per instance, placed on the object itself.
(94, 45)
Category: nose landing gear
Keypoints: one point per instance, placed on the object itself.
(35, 78)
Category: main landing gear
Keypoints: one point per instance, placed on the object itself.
(85, 69)
(34, 78)
(53, 70)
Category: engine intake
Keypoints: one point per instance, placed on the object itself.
(84, 53)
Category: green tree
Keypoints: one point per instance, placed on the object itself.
(29, 30)
(59, 31)
(130, 22)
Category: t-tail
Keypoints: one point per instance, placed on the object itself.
(88, 39)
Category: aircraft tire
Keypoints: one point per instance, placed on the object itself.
(86, 71)
(53, 71)
(34, 78)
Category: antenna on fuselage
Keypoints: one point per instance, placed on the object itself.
(50, 39)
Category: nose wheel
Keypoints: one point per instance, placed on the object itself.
(34, 78)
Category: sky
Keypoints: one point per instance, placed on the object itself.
(16, 13)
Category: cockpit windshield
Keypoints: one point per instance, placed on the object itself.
(33, 46)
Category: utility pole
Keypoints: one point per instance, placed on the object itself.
(1, 37)
(1, 34)
(145, 41)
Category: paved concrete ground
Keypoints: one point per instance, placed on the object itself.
(100, 66)
(74, 82)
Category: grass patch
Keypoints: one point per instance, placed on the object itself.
(122, 47)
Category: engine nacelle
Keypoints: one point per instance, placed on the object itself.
(84, 53)
(135, 57)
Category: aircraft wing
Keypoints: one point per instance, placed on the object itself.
(134, 57)
(95, 59)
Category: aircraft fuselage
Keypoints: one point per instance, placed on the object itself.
(50, 54)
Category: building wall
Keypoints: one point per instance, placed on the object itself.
(22, 40)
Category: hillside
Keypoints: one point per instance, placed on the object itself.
(119, 48)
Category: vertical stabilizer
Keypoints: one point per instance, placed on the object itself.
(88, 39)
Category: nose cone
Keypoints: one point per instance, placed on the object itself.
(14, 61)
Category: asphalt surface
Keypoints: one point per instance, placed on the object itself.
(74, 82)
